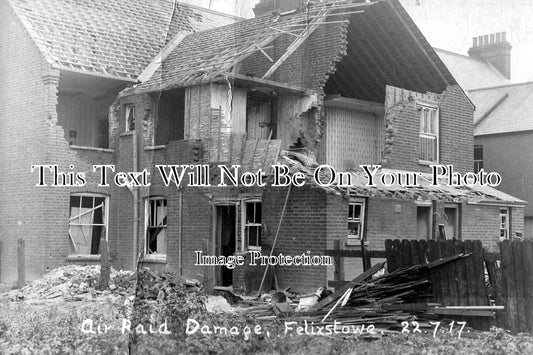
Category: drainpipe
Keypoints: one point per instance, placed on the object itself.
(135, 205)
(180, 231)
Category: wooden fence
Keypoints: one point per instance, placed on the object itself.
(481, 279)
(459, 283)
(515, 288)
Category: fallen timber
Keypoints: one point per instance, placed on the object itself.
(387, 302)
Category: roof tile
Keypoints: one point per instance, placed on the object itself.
(97, 33)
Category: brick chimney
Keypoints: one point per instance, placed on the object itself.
(269, 6)
(495, 50)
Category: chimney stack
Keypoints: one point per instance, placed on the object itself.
(493, 49)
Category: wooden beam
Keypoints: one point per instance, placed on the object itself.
(354, 253)
(149, 71)
(297, 42)
(250, 81)
(354, 104)
(21, 263)
(338, 293)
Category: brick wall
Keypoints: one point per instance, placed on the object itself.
(31, 135)
(22, 116)
(310, 65)
(303, 228)
(455, 133)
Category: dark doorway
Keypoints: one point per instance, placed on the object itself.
(226, 217)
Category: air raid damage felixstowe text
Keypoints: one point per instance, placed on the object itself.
(280, 176)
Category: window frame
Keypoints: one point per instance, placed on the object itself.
(506, 227)
(352, 239)
(420, 108)
(129, 126)
(244, 224)
(457, 224)
(147, 209)
(105, 219)
(478, 163)
(426, 204)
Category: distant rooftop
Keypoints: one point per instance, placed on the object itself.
(503, 109)
(471, 73)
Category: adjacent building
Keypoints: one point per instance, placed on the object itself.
(502, 120)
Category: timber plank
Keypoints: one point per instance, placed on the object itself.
(462, 281)
(433, 254)
(528, 279)
(509, 287)
(338, 293)
(519, 276)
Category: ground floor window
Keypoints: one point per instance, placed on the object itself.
(252, 224)
(156, 226)
(87, 222)
(356, 213)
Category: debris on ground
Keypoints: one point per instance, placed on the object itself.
(80, 283)
(227, 293)
(218, 304)
(75, 283)
(385, 301)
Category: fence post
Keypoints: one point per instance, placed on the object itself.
(338, 271)
(21, 263)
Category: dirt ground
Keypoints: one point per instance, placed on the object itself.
(63, 313)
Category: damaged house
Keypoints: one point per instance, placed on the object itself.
(339, 83)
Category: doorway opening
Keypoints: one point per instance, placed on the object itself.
(226, 218)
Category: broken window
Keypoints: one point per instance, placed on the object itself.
(130, 118)
(156, 226)
(478, 158)
(504, 223)
(356, 211)
(429, 133)
(170, 117)
(87, 223)
(252, 225)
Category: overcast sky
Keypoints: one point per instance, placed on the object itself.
(451, 24)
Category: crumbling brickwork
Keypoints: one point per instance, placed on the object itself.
(456, 127)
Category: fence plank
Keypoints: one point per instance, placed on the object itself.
(519, 262)
(528, 286)
(451, 274)
(390, 255)
(434, 254)
(405, 251)
(338, 271)
(461, 275)
(21, 263)
(509, 285)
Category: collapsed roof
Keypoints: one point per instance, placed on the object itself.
(424, 192)
(381, 46)
(112, 38)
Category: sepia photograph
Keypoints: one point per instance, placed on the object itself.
(266, 177)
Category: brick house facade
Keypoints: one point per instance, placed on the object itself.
(241, 93)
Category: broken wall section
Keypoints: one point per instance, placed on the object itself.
(403, 127)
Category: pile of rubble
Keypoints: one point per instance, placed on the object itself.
(75, 283)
